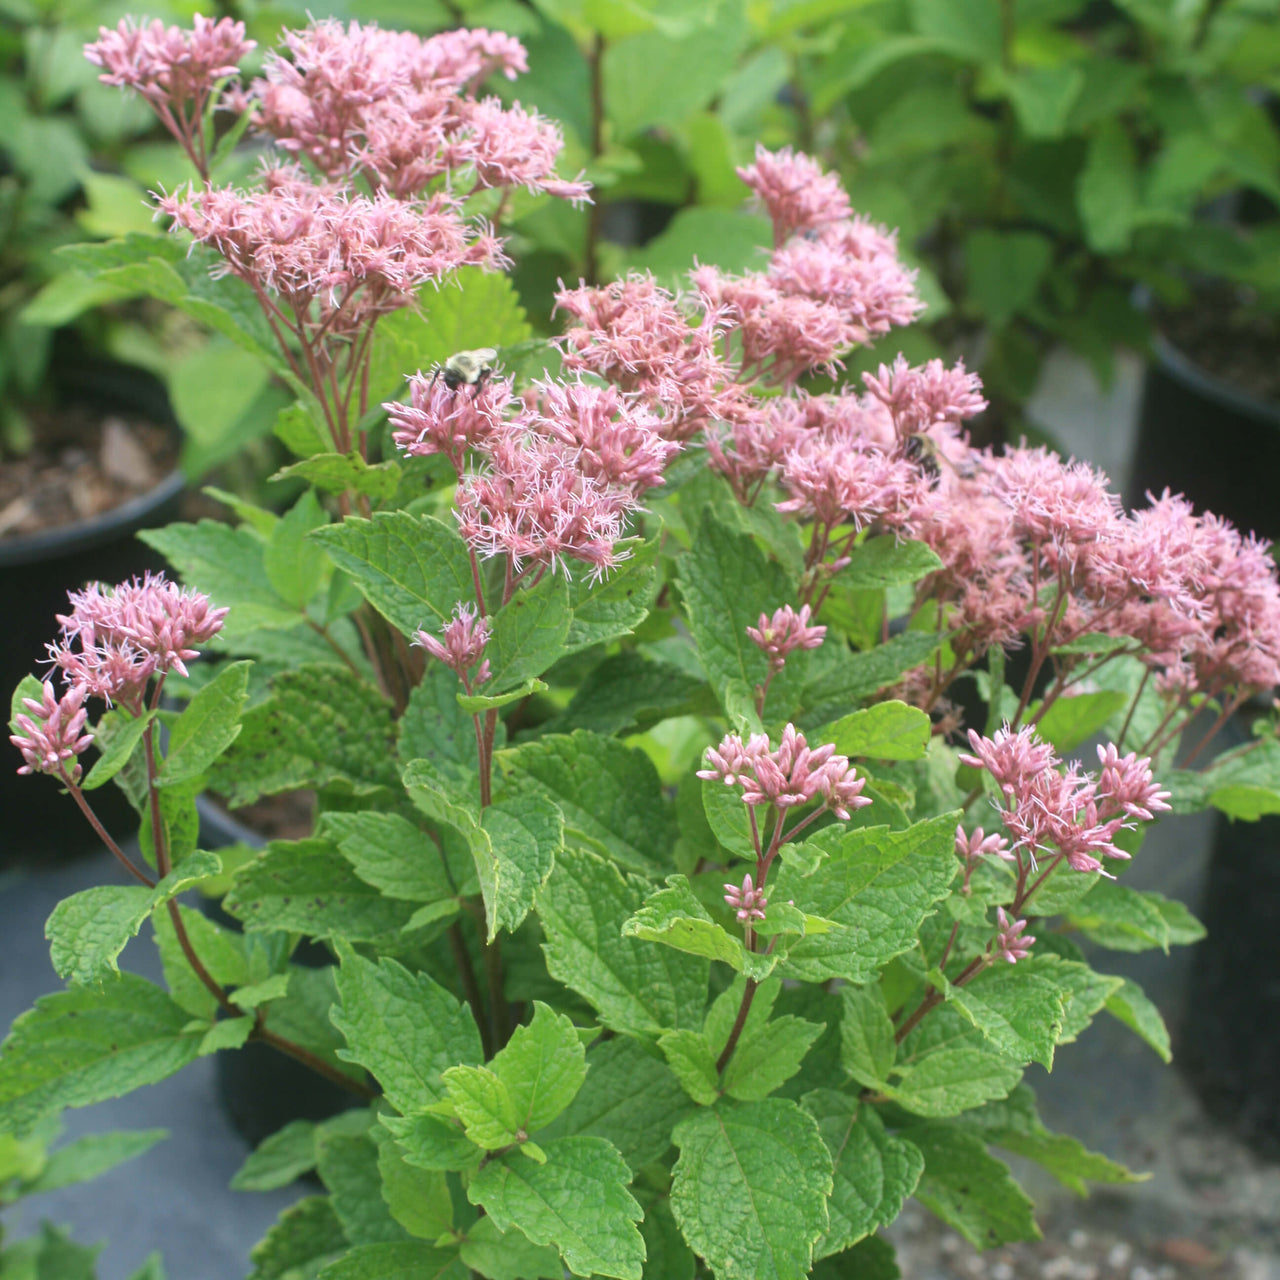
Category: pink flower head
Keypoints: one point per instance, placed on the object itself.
(465, 57)
(1012, 758)
(920, 398)
(789, 775)
(168, 66)
(512, 147)
(115, 639)
(784, 633)
(828, 481)
(1011, 943)
(971, 847)
(617, 441)
(438, 420)
(461, 644)
(534, 503)
(1126, 782)
(748, 901)
(51, 733)
(796, 193)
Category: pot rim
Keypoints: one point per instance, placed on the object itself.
(1181, 366)
(67, 539)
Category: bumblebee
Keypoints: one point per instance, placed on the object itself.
(467, 369)
(923, 451)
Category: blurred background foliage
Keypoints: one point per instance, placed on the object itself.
(1049, 163)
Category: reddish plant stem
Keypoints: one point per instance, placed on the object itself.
(748, 995)
(314, 1061)
(1021, 899)
(595, 64)
(934, 998)
(1133, 706)
(1224, 715)
(116, 852)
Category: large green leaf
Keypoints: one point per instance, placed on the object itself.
(629, 693)
(394, 856)
(609, 607)
(1130, 1004)
(208, 725)
(950, 1081)
(883, 731)
(610, 794)
(348, 1167)
(887, 562)
(861, 674)
(577, 1201)
(88, 930)
(1020, 1012)
(876, 886)
(399, 1260)
(412, 569)
(867, 1045)
(87, 1044)
(91, 1156)
(306, 1234)
(528, 634)
(321, 726)
(1107, 189)
(637, 988)
(970, 1190)
(403, 1027)
(875, 1171)
(309, 887)
(750, 1188)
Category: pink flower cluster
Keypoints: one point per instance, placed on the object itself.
(176, 71)
(1065, 810)
(461, 645)
(51, 733)
(400, 111)
(1011, 942)
(555, 481)
(784, 633)
(791, 774)
(335, 259)
(113, 642)
(746, 900)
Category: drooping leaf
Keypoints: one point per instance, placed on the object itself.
(750, 1187)
(1019, 1011)
(867, 1046)
(87, 1044)
(88, 930)
(1130, 1004)
(91, 1156)
(348, 1167)
(968, 1189)
(208, 725)
(279, 1159)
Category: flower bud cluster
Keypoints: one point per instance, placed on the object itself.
(791, 774)
(784, 633)
(746, 900)
(113, 642)
(460, 645)
(1065, 810)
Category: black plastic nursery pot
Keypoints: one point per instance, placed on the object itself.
(1200, 436)
(260, 1089)
(36, 572)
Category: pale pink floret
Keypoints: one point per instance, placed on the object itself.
(748, 901)
(920, 398)
(973, 846)
(461, 644)
(1127, 782)
(50, 734)
(618, 441)
(784, 633)
(513, 147)
(534, 503)
(1011, 942)
(149, 625)
(793, 189)
(167, 65)
(791, 774)
(449, 422)
(834, 485)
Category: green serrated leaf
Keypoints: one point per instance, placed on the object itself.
(868, 1049)
(606, 608)
(208, 725)
(970, 1190)
(345, 473)
(750, 1187)
(396, 1260)
(348, 1167)
(884, 562)
(875, 1171)
(525, 834)
(690, 1057)
(610, 795)
(412, 569)
(91, 1156)
(861, 674)
(577, 1201)
(526, 1084)
(278, 1160)
(949, 1081)
(87, 1044)
(433, 1142)
(307, 1233)
(508, 1255)
(875, 886)
(474, 703)
(529, 633)
(88, 930)
(885, 731)
(117, 747)
(1131, 1006)
(391, 854)
(1019, 1011)
(637, 988)
(403, 1027)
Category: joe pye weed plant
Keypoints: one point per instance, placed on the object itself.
(679, 924)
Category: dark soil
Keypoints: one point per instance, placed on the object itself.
(1230, 335)
(290, 816)
(84, 464)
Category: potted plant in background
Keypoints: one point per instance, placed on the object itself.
(624, 694)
